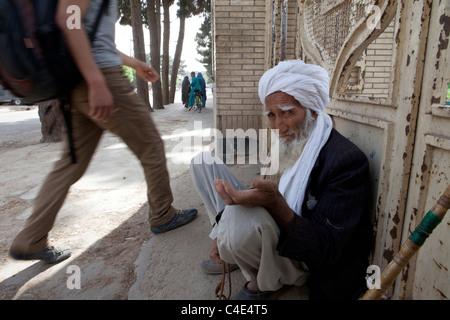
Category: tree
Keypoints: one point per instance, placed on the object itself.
(176, 63)
(139, 47)
(166, 42)
(52, 120)
(186, 9)
(154, 25)
(203, 39)
(151, 19)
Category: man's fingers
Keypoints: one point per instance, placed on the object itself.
(263, 193)
(147, 73)
(97, 114)
(223, 191)
(108, 113)
(101, 113)
(233, 196)
(265, 185)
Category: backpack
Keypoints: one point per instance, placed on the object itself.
(35, 63)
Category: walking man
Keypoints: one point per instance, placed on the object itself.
(104, 100)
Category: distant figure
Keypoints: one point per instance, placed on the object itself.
(196, 85)
(185, 91)
(199, 75)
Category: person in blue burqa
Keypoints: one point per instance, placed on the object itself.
(196, 86)
(200, 76)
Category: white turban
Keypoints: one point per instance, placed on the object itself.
(309, 85)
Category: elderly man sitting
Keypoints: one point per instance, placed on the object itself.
(309, 225)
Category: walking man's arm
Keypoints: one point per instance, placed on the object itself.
(100, 98)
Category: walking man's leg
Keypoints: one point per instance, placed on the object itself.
(132, 122)
(32, 242)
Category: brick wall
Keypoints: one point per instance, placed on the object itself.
(242, 39)
(376, 79)
(239, 59)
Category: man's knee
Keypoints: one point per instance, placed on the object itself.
(198, 159)
(205, 158)
(241, 227)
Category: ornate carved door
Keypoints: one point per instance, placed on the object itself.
(428, 275)
(389, 65)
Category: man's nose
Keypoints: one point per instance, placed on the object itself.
(281, 125)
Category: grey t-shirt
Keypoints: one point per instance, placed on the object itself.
(103, 47)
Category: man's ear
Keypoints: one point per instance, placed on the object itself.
(314, 114)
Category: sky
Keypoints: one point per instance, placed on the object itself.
(189, 54)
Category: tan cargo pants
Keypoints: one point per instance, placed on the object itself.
(131, 121)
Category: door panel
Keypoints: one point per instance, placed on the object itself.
(428, 275)
(374, 52)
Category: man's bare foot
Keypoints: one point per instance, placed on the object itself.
(252, 285)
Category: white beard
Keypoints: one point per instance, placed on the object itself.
(289, 152)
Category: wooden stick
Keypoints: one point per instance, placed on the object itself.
(411, 246)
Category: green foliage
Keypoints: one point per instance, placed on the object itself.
(203, 39)
(448, 92)
(188, 8)
(130, 74)
(124, 9)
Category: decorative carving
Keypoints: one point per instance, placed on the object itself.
(328, 24)
(328, 5)
(335, 33)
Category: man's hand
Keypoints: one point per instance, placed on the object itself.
(100, 98)
(143, 70)
(146, 72)
(265, 194)
(100, 102)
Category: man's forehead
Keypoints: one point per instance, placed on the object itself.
(281, 99)
(269, 109)
(283, 107)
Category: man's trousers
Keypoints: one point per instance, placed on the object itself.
(246, 236)
(131, 121)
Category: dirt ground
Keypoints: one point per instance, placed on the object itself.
(104, 217)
